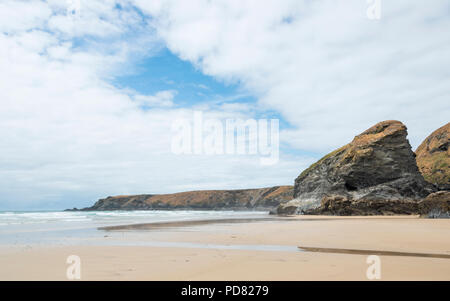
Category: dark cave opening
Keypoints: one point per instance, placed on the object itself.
(350, 187)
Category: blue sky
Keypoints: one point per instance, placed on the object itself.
(165, 71)
(88, 100)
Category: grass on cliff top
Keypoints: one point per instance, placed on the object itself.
(333, 153)
(435, 168)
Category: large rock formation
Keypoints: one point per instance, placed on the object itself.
(435, 205)
(339, 205)
(373, 174)
(243, 199)
(433, 158)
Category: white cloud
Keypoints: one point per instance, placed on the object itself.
(160, 99)
(68, 136)
(324, 65)
(18, 16)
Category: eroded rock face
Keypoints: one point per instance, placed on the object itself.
(285, 210)
(436, 205)
(433, 158)
(338, 205)
(376, 170)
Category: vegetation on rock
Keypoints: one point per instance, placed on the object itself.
(433, 157)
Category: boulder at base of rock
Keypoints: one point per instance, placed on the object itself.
(436, 205)
(285, 210)
(339, 205)
(433, 158)
(372, 174)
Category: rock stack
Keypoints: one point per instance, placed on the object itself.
(433, 158)
(375, 174)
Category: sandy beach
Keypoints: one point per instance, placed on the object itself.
(247, 250)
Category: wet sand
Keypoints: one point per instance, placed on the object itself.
(373, 252)
(333, 248)
(189, 223)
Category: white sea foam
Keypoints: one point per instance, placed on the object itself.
(66, 227)
(99, 218)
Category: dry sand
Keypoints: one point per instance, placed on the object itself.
(195, 252)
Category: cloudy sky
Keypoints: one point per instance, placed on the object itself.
(89, 89)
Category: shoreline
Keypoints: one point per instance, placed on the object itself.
(199, 222)
(184, 223)
(236, 209)
(265, 249)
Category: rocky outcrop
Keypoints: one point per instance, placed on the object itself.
(433, 158)
(243, 199)
(339, 205)
(436, 205)
(374, 174)
(288, 209)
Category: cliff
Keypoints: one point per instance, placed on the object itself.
(433, 158)
(376, 173)
(264, 198)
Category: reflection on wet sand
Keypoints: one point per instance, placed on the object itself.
(188, 223)
(372, 252)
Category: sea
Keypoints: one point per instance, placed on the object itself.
(35, 228)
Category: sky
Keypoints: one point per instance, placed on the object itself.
(89, 90)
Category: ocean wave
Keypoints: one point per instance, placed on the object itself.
(99, 218)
